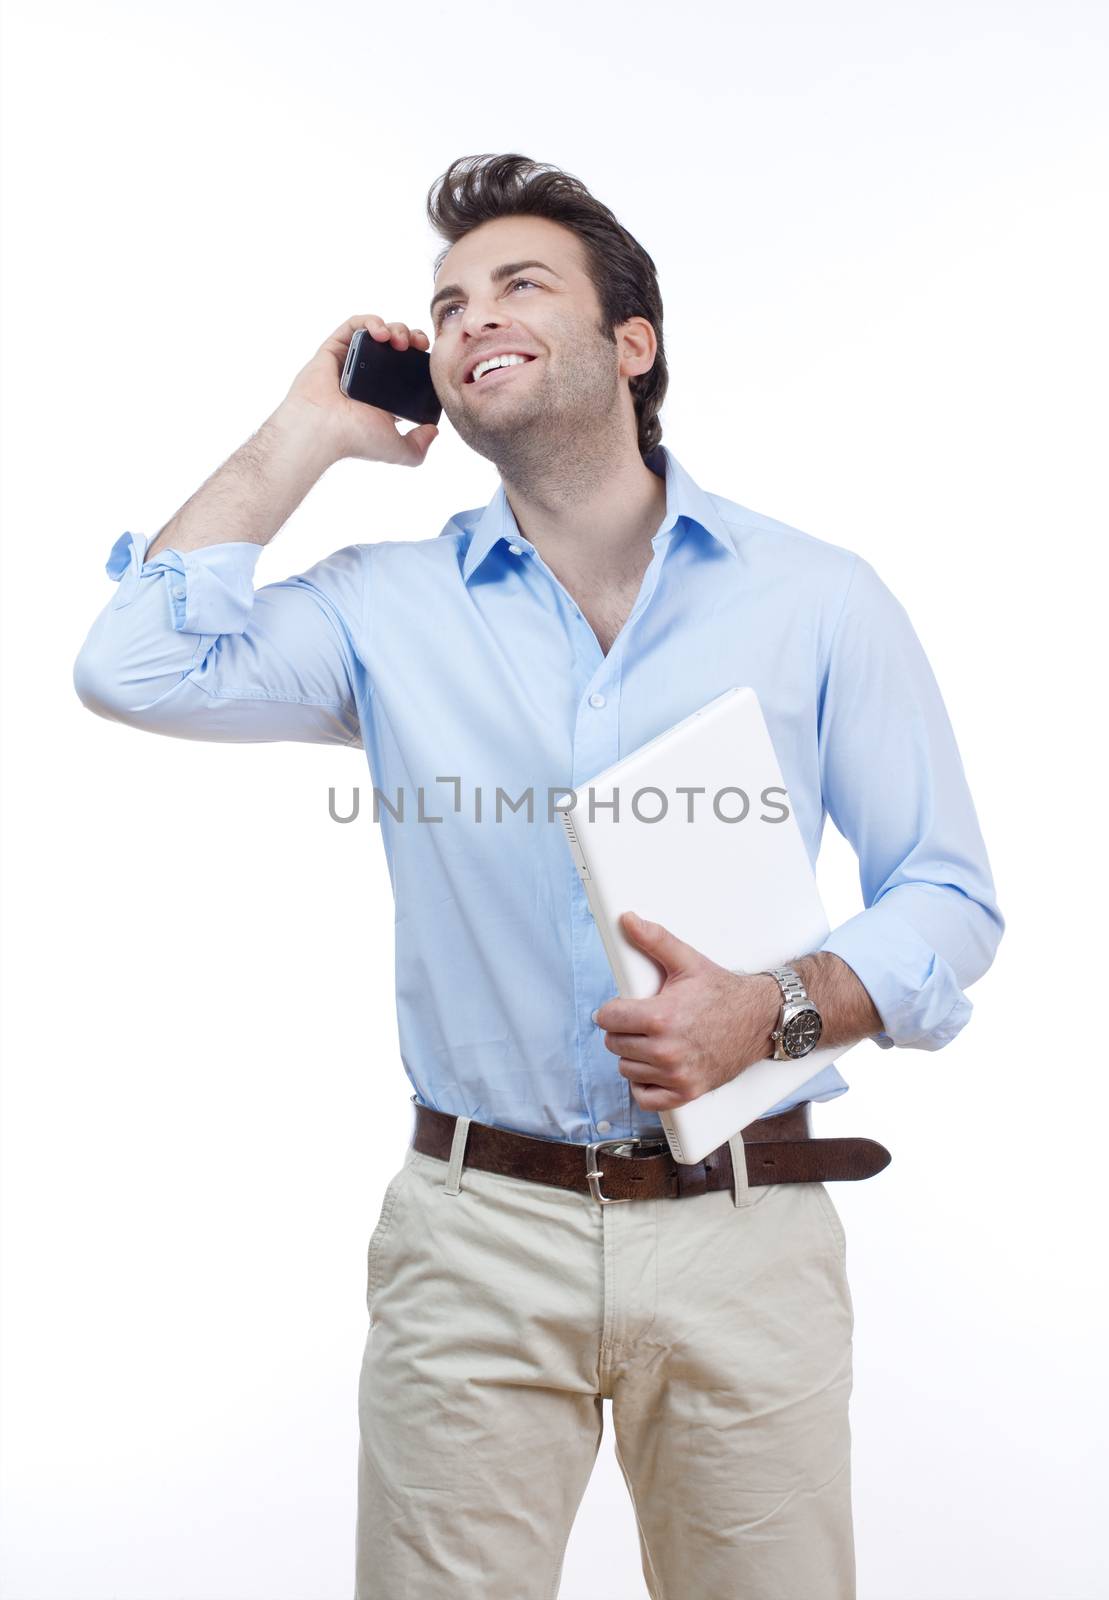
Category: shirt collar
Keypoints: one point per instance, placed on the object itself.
(684, 498)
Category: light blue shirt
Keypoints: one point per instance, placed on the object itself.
(461, 663)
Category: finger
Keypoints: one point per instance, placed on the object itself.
(639, 1071)
(632, 1045)
(627, 1016)
(398, 332)
(340, 340)
(347, 329)
(417, 442)
(645, 1080)
(652, 1097)
(662, 1075)
(665, 947)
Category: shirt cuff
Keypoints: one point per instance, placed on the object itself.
(211, 592)
(914, 990)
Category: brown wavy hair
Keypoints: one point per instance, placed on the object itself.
(476, 189)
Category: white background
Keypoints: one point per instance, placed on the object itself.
(878, 229)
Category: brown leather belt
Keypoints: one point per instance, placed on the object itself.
(778, 1149)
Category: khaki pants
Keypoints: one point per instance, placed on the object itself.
(502, 1311)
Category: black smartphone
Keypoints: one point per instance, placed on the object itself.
(399, 381)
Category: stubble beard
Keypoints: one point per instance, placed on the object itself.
(566, 428)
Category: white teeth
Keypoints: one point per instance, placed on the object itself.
(497, 361)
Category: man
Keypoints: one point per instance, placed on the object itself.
(600, 597)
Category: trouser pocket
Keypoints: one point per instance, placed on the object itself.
(835, 1224)
(380, 1237)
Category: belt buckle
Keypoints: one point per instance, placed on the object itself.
(594, 1174)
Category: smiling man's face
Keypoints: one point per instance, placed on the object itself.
(519, 285)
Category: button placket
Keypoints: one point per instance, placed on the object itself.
(596, 746)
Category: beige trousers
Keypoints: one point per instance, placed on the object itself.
(502, 1311)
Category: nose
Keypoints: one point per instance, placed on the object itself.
(477, 317)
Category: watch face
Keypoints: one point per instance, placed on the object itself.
(801, 1033)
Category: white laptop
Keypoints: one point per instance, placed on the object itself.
(741, 891)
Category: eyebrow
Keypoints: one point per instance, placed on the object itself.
(498, 274)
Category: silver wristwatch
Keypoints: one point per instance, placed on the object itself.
(800, 1023)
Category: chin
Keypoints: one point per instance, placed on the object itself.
(487, 435)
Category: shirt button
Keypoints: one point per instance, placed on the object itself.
(604, 1127)
(597, 700)
(516, 550)
(179, 594)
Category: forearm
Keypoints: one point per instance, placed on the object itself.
(256, 491)
(847, 1011)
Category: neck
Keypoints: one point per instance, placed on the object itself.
(593, 509)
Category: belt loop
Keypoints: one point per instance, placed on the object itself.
(741, 1189)
(453, 1181)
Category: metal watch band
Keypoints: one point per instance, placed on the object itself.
(793, 990)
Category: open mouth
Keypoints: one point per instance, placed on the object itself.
(491, 374)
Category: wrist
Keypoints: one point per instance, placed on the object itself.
(800, 1024)
(768, 1009)
(307, 432)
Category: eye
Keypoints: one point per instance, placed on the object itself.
(453, 305)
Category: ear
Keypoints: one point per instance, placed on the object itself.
(638, 346)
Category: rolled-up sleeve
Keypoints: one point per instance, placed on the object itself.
(893, 784)
(188, 647)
